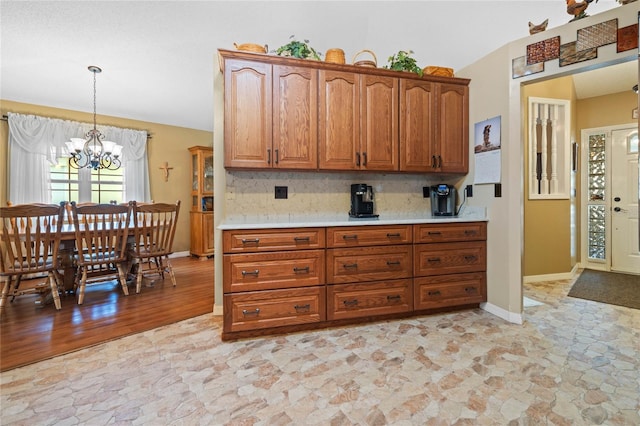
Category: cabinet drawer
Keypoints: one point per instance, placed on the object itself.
(449, 258)
(362, 300)
(263, 271)
(273, 308)
(368, 264)
(246, 241)
(450, 232)
(357, 236)
(449, 290)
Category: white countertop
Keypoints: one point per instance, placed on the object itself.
(467, 214)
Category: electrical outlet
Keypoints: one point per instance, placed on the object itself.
(425, 192)
(281, 192)
(498, 190)
(469, 191)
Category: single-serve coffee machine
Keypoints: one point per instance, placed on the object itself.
(443, 200)
(361, 201)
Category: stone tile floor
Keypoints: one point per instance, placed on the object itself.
(573, 361)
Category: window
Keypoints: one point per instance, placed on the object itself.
(596, 204)
(85, 185)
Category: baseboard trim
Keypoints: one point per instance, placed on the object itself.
(180, 254)
(217, 310)
(552, 277)
(502, 313)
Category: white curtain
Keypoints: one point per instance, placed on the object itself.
(36, 142)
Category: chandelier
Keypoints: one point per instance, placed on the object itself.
(93, 152)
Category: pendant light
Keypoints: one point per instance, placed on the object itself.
(92, 152)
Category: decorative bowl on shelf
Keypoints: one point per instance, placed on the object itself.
(251, 47)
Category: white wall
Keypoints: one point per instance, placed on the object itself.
(494, 92)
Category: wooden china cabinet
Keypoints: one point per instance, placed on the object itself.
(201, 201)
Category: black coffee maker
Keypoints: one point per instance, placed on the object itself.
(443, 200)
(361, 201)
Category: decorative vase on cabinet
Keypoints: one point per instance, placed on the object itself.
(201, 201)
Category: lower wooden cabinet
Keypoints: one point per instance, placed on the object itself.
(273, 308)
(281, 280)
(449, 290)
(202, 234)
(369, 299)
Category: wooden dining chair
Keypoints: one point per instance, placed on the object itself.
(101, 243)
(29, 244)
(155, 227)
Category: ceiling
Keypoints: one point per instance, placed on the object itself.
(157, 56)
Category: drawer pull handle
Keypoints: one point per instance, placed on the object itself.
(254, 273)
(434, 293)
(350, 237)
(396, 235)
(253, 241)
(301, 270)
(470, 289)
(469, 232)
(434, 233)
(302, 308)
(392, 263)
(433, 259)
(255, 312)
(350, 266)
(470, 257)
(298, 239)
(353, 302)
(394, 298)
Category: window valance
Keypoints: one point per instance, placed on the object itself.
(35, 142)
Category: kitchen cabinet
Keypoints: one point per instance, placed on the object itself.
(291, 279)
(270, 116)
(201, 213)
(434, 134)
(449, 265)
(358, 121)
(452, 128)
(273, 278)
(293, 114)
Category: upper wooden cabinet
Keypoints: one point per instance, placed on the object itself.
(299, 114)
(452, 128)
(271, 116)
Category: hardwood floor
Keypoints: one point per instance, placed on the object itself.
(29, 333)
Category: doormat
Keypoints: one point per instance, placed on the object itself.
(608, 287)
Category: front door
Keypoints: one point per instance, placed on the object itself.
(625, 253)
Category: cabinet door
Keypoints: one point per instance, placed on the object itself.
(453, 128)
(247, 114)
(417, 129)
(379, 115)
(295, 118)
(339, 120)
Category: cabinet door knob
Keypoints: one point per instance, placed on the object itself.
(301, 270)
(255, 312)
(277, 156)
(393, 298)
(470, 289)
(299, 239)
(433, 259)
(393, 262)
(268, 155)
(434, 233)
(364, 158)
(396, 235)
(434, 293)
(470, 258)
(353, 302)
(350, 265)
(350, 237)
(358, 159)
(252, 241)
(253, 273)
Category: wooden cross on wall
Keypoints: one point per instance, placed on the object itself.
(166, 169)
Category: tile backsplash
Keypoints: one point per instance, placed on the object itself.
(250, 195)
